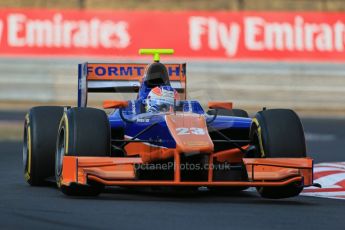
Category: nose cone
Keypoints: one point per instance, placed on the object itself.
(190, 133)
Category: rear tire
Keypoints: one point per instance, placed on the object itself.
(39, 143)
(82, 132)
(278, 133)
(231, 112)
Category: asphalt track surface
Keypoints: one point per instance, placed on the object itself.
(25, 207)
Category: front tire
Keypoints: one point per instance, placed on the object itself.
(278, 133)
(39, 143)
(82, 132)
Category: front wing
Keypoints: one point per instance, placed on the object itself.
(121, 171)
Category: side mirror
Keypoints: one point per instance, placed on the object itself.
(110, 104)
(219, 105)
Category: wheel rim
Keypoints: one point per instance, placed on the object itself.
(60, 152)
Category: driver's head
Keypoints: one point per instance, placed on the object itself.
(161, 99)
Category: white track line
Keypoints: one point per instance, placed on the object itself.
(333, 195)
(335, 165)
(325, 169)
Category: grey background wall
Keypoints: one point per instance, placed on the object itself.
(310, 88)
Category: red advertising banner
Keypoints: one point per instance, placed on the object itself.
(296, 36)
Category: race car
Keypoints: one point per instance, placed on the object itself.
(160, 139)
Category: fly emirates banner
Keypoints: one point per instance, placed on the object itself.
(291, 36)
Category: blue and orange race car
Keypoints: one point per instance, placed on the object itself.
(161, 139)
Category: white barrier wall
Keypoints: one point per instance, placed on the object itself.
(318, 87)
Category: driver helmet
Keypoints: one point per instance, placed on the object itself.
(161, 99)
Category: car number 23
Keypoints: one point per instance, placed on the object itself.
(192, 130)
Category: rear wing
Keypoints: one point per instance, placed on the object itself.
(122, 78)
